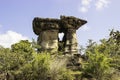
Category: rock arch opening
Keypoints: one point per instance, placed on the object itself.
(60, 36)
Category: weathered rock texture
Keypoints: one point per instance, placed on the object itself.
(48, 29)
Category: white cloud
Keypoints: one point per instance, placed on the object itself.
(100, 4)
(10, 37)
(86, 2)
(85, 6)
(83, 9)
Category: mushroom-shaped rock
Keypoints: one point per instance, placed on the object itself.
(47, 30)
(72, 22)
(40, 24)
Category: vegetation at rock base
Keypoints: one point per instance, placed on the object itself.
(103, 60)
(21, 62)
(99, 62)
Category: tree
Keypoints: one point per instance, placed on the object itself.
(24, 47)
(9, 63)
(103, 59)
(97, 64)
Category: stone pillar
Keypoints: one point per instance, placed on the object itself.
(48, 40)
(71, 46)
(47, 30)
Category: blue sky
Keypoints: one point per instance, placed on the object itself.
(16, 17)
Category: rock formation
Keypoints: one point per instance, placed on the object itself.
(48, 29)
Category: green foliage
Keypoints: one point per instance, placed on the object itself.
(36, 69)
(24, 46)
(97, 65)
(10, 62)
(114, 48)
(21, 62)
(103, 59)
